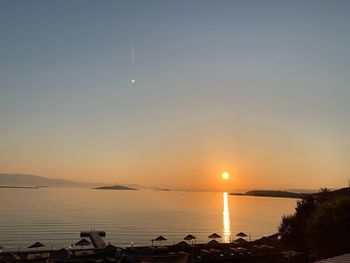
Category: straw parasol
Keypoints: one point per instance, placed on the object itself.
(37, 245)
(83, 242)
(241, 234)
(192, 238)
(214, 236)
(189, 237)
(160, 239)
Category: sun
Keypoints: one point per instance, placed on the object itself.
(225, 175)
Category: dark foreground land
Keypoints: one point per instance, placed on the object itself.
(265, 250)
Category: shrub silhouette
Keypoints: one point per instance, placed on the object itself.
(320, 224)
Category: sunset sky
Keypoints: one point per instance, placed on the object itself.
(259, 89)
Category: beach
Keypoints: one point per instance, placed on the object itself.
(265, 249)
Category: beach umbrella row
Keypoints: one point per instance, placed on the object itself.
(212, 236)
(83, 242)
(161, 238)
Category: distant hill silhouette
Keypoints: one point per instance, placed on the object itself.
(34, 180)
(25, 180)
(114, 187)
(271, 193)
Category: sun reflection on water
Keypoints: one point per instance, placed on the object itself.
(226, 219)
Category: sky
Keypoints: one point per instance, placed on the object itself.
(259, 89)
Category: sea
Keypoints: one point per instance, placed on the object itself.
(56, 216)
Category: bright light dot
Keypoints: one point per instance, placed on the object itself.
(133, 81)
(225, 175)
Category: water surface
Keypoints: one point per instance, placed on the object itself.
(55, 216)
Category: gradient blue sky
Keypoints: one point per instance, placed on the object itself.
(257, 88)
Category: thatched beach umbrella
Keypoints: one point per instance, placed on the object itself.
(214, 236)
(241, 234)
(37, 245)
(160, 239)
(83, 242)
(190, 238)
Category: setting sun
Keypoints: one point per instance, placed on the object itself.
(225, 175)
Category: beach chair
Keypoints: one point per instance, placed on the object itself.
(78, 253)
(45, 255)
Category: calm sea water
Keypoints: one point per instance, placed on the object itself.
(55, 216)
